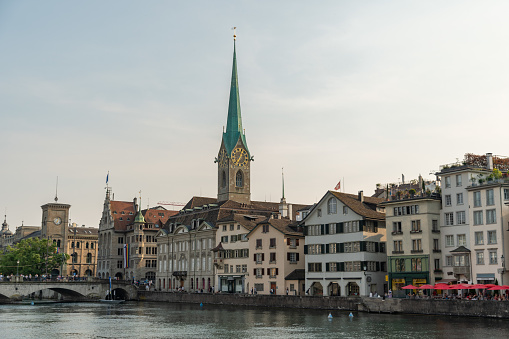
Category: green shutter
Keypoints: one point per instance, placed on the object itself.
(305, 230)
(305, 249)
(340, 228)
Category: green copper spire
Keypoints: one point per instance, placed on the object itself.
(139, 217)
(234, 124)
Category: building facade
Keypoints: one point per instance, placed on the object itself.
(413, 242)
(345, 251)
(276, 249)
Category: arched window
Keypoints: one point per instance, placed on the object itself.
(223, 180)
(74, 258)
(58, 243)
(77, 244)
(89, 258)
(332, 207)
(86, 246)
(239, 179)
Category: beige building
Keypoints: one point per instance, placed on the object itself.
(82, 247)
(413, 242)
(232, 254)
(276, 247)
(127, 240)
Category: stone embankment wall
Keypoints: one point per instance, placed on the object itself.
(474, 308)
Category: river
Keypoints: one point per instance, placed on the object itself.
(163, 320)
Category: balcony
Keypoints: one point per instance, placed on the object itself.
(435, 231)
(415, 231)
(396, 232)
(180, 273)
(398, 252)
(437, 251)
(416, 251)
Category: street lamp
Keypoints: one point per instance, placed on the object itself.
(503, 270)
(17, 269)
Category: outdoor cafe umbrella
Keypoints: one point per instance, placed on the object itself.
(478, 287)
(409, 287)
(427, 287)
(442, 287)
(496, 288)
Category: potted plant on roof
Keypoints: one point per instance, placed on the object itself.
(412, 192)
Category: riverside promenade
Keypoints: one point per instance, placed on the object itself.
(470, 308)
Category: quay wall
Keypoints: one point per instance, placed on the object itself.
(472, 308)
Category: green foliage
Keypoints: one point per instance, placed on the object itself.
(36, 256)
(412, 192)
(497, 174)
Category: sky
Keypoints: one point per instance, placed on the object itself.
(357, 91)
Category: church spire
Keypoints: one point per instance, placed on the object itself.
(234, 123)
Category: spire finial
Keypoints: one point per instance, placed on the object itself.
(283, 180)
(56, 191)
(234, 33)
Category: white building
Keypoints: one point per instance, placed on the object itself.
(345, 240)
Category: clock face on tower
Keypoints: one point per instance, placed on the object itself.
(240, 157)
(223, 158)
(57, 221)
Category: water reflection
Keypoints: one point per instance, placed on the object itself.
(162, 320)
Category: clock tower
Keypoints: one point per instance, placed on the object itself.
(55, 224)
(234, 159)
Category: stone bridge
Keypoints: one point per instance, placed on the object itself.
(68, 290)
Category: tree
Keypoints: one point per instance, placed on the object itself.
(36, 256)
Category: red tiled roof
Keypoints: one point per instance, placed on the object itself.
(366, 209)
(117, 207)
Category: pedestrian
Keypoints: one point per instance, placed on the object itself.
(287, 291)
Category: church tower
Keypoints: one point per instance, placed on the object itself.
(234, 159)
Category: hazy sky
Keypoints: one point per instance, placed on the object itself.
(365, 90)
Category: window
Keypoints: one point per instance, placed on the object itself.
(460, 217)
(239, 179)
(479, 258)
(265, 229)
(459, 199)
(479, 238)
(434, 225)
(447, 182)
(449, 240)
(490, 199)
(223, 181)
(491, 217)
(232, 227)
(332, 206)
(458, 180)
(493, 258)
(398, 246)
(448, 260)
(258, 287)
(319, 212)
(345, 210)
(224, 239)
(315, 249)
(333, 248)
(119, 264)
(462, 240)
(293, 242)
(477, 199)
(437, 264)
(224, 228)
(492, 237)
(396, 227)
(259, 258)
(119, 240)
(292, 257)
(315, 267)
(436, 244)
(400, 265)
(506, 194)
(272, 257)
(448, 200)
(258, 243)
(272, 243)
(416, 226)
(478, 218)
(416, 245)
(449, 219)
(333, 267)
(273, 272)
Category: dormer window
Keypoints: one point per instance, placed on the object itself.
(130, 213)
(123, 212)
(114, 212)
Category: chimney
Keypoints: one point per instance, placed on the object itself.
(361, 196)
(489, 161)
(135, 202)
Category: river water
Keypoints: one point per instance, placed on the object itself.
(163, 320)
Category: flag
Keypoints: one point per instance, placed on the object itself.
(107, 177)
(338, 186)
(126, 256)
